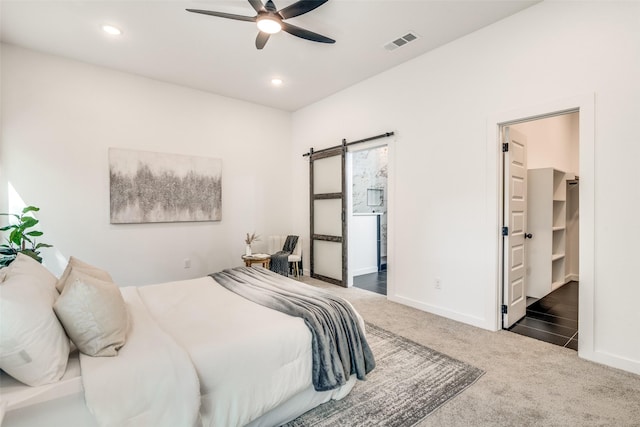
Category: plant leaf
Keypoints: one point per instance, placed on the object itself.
(4, 262)
(19, 236)
(28, 222)
(30, 209)
(16, 237)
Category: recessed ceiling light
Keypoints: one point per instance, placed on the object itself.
(110, 29)
(276, 82)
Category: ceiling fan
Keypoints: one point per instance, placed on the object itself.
(270, 20)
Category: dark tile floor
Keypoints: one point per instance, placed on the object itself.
(554, 318)
(374, 282)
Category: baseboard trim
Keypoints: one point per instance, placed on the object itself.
(365, 270)
(449, 314)
(610, 360)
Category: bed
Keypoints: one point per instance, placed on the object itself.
(196, 354)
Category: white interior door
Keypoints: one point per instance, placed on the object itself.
(328, 225)
(514, 222)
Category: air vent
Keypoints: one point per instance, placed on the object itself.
(401, 41)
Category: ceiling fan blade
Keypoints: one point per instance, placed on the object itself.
(300, 7)
(224, 15)
(270, 6)
(305, 34)
(261, 40)
(257, 6)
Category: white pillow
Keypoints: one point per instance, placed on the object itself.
(85, 268)
(93, 313)
(33, 346)
(3, 273)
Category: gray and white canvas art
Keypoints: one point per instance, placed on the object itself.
(159, 187)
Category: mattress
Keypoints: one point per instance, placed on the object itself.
(253, 364)
(64, 407)
(249, 359)
(60, 403)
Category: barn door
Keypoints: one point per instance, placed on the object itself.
(327, 208)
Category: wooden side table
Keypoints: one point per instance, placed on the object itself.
(263, 259)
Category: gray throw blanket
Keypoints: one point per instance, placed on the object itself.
(280, 260)
(339, 346)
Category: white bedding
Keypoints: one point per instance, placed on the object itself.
(151, 382)
(16, 395)
(249, 358)
(198, 354)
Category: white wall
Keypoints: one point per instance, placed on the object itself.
(552, 142)
(59, 117)
(442, 178)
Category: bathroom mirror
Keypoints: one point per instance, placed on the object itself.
(375, 196)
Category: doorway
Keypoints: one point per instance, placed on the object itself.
(585, 105)
(542, 239)
(368, 200)
(331, 208)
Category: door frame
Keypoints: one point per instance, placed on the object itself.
(349, 192)
(585, 105)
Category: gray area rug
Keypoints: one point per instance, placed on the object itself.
(410, 381)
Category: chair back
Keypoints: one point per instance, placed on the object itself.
(275, 244)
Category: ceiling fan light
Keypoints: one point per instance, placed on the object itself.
(269, 25)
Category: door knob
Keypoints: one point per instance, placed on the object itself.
(528, 236)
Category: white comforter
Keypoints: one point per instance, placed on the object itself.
(151, 382)
(248, 359)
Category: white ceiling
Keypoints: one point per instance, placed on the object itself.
(162, 41)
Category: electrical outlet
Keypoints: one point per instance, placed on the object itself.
(437, 283)
(187, 263)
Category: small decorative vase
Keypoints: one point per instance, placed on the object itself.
(247, 250)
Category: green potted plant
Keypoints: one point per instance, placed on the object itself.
(20, 236)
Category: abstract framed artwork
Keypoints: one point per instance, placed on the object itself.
(158, 187)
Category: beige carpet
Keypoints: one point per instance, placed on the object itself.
(527, 382)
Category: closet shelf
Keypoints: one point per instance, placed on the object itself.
(546, 219)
